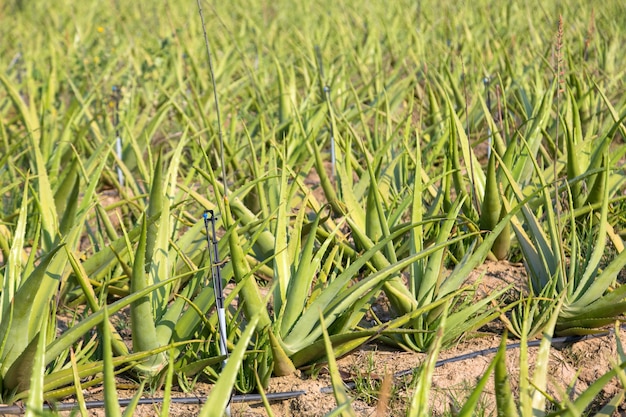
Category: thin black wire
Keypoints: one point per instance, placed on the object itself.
(217, 105)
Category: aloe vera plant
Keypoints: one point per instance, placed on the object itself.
(426, 279)
(19, 353)
(294, 329)
(29, 292)
(588, 304)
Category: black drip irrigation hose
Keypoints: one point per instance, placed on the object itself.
(273, 396)
(533, 343)
(282, 396)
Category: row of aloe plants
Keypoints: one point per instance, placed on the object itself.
(402, 203)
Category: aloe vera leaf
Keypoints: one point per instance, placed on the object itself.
(284, 107)
(88, 291)
(143, 131)
(342, 344)
(436, 118)
(544, 261)
(373, 219)
(299, 232)
(540, 373)
(502, 244)
(589, 287)
(523, 167)
(574, 140)
(19, 327)
(601, 312)
(401, 299)
(341, 396)
(185, 323)
(476, 176)
(66, 199)
(132, 406)
(219, 397)
(496, 135)
(417, 233)
(300, 285)
(309, 319)
(614, 113)
(613, 405)
(473, 316)
(64, 377)
(597, 192)
(28, 114)
(78, 391)
(34, 403)
(101, 263)
(264, 242)
(283, 365)
(505, 402)
(329, 191)
(419, 402)
(492, 211)
(155, 209)
(47, 211)
(111, 405)
(335, 304)
(142, 316)
(169, 379)
(590, 394)
(525, 399)
(253, 303)
(428, 285)
(14, 267)
(282, 263)
(158, 259)
(479, 254)
(456, 170)
(469, 407)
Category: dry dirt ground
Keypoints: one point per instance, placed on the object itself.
(572, 365)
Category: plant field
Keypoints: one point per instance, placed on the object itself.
(238, 198)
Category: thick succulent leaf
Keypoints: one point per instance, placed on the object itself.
(111, 405)
(341, 396)
(34, 403)
(220, 394)
(19, 328)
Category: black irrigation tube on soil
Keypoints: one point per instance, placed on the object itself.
(482, 352)
(281, 396)
(274, 396)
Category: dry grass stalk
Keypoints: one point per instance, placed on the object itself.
(382, 408)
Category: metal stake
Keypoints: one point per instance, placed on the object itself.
(216, 276)
(118, 139)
